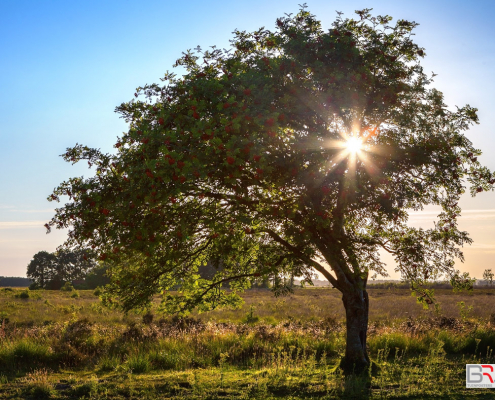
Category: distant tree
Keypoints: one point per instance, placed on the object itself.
(209, 269)
(265, 282)
(262, 282)
(52, 270)
(74, 265)
(297, 150)
(42, 269)
(55, 284)
(488, 276)
(98, 276)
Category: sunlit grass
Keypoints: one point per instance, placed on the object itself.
(272, 348)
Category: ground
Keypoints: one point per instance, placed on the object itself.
(65, 345)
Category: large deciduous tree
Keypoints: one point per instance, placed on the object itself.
(297, 150)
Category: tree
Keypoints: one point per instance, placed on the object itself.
(41, 268)
(298, 150)
(51, 270)
(488, 276)
(74, 264)
(97, 276)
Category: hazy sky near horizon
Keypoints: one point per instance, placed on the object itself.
(67, 65)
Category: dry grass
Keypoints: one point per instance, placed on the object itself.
(45, 307)
(385, 305)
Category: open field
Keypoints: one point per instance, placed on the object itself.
(63, 345)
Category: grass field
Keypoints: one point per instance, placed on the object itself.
(65, 345)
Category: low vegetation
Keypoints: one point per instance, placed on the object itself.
(57, 346)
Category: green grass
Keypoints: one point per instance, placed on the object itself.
(264, 351)
(432, 376)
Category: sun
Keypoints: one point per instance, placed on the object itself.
(353, 145)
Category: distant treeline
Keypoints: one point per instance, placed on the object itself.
(14, 281)
(396, 284)
(479, 284)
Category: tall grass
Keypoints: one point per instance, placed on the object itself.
(21, 354)
(244, 355)
(181, 345)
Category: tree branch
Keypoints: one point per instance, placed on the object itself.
(303, 257)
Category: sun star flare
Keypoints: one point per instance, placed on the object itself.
(353, 145)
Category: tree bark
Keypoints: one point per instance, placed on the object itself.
(356, 305)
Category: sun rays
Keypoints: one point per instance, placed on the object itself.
(353, 145)
(352, 149)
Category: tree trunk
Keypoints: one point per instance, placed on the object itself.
(356, 305)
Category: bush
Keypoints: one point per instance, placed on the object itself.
(22, 295)
(67, 287)
(75, 294)
(97, 291)
(148, 318)
(78, 332)
(34, 286)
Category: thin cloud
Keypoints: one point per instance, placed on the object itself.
(50, 210)
(465, 215)
(21, 224)
(16, 210)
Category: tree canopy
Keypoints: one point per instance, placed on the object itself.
(51, 270)
(41, 268)
(296, 150)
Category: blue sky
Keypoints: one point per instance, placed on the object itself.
(66, 66)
